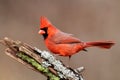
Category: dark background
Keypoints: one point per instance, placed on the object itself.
(89, 20)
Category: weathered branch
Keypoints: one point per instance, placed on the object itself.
(40, 61)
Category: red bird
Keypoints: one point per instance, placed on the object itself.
(65, 44)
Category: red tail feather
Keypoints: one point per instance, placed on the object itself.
(101, 44)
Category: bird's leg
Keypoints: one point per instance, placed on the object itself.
(69, 61)
(69, 58)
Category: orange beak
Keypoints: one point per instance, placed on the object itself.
(41, 32)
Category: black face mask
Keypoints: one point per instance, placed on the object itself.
(46, 32)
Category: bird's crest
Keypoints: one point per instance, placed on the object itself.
(44, 22)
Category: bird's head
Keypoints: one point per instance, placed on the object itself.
(46, 28)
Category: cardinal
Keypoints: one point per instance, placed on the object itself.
(65, 44)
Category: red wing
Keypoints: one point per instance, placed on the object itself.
(65, 38)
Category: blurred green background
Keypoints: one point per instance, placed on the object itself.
(89, 20)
